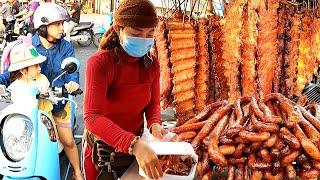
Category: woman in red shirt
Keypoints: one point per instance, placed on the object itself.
(122, 89)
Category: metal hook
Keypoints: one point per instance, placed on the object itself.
(185, 11)
(192, 8)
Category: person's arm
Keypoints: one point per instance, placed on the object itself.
(74, 9)
(30, 13)
(23, 12)
(99, 75)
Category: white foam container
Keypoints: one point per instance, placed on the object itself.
(174, 148)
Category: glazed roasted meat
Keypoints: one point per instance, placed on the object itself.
(183, 60)
(231, 47)
(163, 58)
(267, 52)
(249, 40)
(306, 64)
(261, 143)
(202, 73)
(290, 60)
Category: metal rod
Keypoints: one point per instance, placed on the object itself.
(174, 9)
(193, 5)
(185, 11)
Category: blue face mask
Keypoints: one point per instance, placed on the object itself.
(136, 46)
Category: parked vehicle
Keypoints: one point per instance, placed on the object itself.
(98, 35)
(106, 23)
(28, 136)
(83, 34)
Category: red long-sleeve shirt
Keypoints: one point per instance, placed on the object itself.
(117, 95)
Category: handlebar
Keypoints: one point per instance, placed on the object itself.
(74, 93)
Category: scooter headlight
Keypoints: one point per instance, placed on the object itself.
(17, 134)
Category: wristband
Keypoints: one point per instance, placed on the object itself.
(133, 142)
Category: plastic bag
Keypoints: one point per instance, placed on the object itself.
(148, 137)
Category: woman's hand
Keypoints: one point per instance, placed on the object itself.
(147, 159)
(158, 131)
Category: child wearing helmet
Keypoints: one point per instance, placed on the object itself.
(25, 71)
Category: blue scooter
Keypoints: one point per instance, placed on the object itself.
(28, 135)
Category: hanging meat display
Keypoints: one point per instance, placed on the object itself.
(202, 75)
(218, 83)
(249, 45)
(163, 57)
(225, 74)
(231, 44)
(267, 45)
(257, 48)
(183, 60)
(306, 64)
(290, 61)
(278, 82)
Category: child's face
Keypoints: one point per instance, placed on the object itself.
(32, 71)
(55, 30)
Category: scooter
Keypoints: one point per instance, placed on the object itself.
(98, 35)
(83, 34)
(28, 135)
(105, 24)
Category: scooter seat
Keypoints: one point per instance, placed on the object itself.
(82, 24)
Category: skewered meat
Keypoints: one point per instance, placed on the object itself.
(306, 63)
(183, 73)
(218, 82)
(202, 76)
(163, 57)
(267, 45)
(162, 49)
(231, 53)
(278, 84)
(249, 38)
(290, 60)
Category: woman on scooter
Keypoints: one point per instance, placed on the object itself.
(48, 42)
(122, 85)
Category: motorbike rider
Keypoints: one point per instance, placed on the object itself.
(75, 18)
(28, 14)
(15, 6)
(5, 11)
(48, 42)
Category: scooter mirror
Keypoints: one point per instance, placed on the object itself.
(70, 65)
